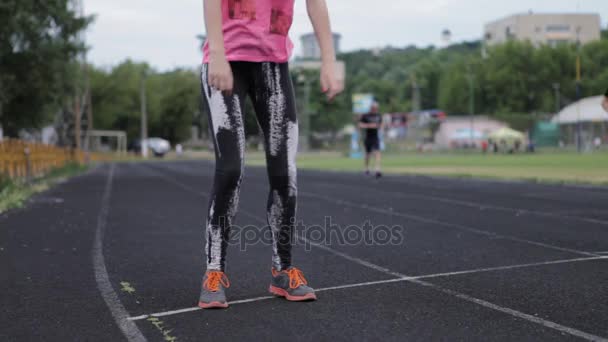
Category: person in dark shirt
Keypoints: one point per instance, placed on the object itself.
(372, 124)
(605, 102)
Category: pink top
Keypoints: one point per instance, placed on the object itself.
(256, 30)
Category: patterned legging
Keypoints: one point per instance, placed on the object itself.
(271, 91)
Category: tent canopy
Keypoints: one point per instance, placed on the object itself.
(507, 134)
(586, 110)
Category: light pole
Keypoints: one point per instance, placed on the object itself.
(471, 103)
(556, 87)
(579, 142)
(144, 116)
(304, 119)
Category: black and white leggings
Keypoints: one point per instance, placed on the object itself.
(271, 91)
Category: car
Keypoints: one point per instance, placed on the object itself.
(158, 146)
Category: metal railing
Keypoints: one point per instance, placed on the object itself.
(27, 160)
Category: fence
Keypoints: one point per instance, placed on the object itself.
(26, 160)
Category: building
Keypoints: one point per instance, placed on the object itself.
(310, 46)
(459, 132)
(551, 29)
(589, 114)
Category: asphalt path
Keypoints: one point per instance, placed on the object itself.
(117, 254)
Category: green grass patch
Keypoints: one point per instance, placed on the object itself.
(553, 167)
(15, 193)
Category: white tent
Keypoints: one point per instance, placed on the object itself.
(586, 110)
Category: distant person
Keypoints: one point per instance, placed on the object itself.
(605, 102)
(246, 54)
(372, 124)
(179, 150)
(484, 146)
(597, 142)
(531, 146)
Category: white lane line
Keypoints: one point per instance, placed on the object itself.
(509, 311)
(441, 223)
(514, 313)
(412, 217)
(347, 257)
(481, 206)
(378, 282)
(259, 299)
(470, 204)
(510, 267)
(120, 314)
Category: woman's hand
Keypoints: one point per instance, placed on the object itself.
(220, 74)
(331, 83)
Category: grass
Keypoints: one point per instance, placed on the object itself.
(555, 167)
(14, 194)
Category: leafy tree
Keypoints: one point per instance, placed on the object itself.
(178, 105)
(38, 48)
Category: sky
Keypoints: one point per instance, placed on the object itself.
(163, 33)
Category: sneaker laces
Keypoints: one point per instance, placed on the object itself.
(214, 279)
(296, 278)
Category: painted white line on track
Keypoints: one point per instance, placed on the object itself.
(412, 217)
(380, 282)
(441, 223)
(481, 206)
(118, 311)
(470, 204)
(514, 313)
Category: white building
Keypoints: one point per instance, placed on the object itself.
(457, 132)
(545, 28)
(592, 118)
(310, 46)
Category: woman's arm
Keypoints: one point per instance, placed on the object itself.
(319, 17)
(220, 74)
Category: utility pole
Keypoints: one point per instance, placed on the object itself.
(144, 116)
(82, 91)
(556, 87)
(579, 140)
(471, 102)
(77, 117)
(416, 106)
(89, 113)
(304, 118)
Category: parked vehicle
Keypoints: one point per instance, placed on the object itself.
(157, 146)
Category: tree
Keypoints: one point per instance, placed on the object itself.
(38, 49)
(178, 105)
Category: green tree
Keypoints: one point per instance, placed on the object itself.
(178, 105)
(38, 48)
(594, 67)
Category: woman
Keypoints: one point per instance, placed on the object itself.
(246, 54)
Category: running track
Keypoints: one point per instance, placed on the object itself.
(116, 255)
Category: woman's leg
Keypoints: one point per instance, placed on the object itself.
(274, 101)
(228, 135)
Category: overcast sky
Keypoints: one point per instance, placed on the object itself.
(163, 32)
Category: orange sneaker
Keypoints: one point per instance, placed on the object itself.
(291, 285)
(213, 293)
